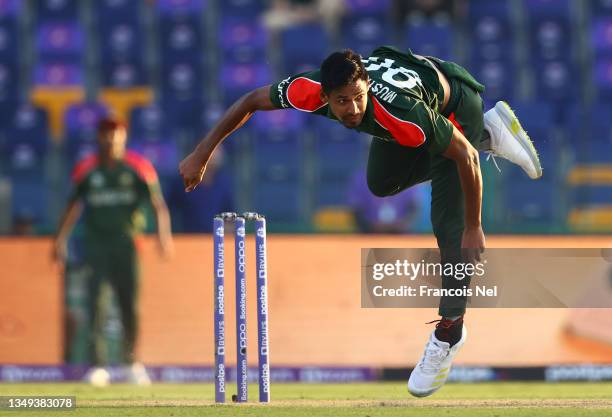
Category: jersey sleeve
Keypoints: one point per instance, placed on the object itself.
(79, 176)
(301, 92)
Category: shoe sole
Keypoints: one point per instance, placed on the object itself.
(513, 124)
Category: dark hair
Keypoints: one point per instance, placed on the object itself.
(109, 123)
(341, 68)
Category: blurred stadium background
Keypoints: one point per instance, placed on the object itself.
(169, 67)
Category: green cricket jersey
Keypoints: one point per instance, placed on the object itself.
(112, 197)
(403, 99)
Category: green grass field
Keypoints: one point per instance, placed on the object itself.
(337, 400)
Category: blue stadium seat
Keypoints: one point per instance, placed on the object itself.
(242, 8)
(9, 40)
(122, 41)
(181, 80)
(368, 7)
(123, 74)
(277, 148)
(9, 82)
(180, 8)
(117, 11)
(530, 203)
(303, 47)
(149, 123)
(430, 39)
(557, 9)
(242, 40)
(236, 80)
(549, 38)
(281, 201)
(555, 80)
(57, 9)
(339, 151)
(600, 7)
(181, 39)
(364, 33)
(63, 41)
(498, 77)
(490, 31)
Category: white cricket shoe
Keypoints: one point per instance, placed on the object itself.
(510, 141)
(137, 374)
(434, 366)
(98, 377)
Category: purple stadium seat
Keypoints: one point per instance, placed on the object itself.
(279, 120)
(9, 45)
(163, 155)
(58, 74)
(243, 40)
(9, 9)
(82, 119)
(60, 40)
(239, 79)
(601, 36)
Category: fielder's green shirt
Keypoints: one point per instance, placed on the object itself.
(112, 196)
(403, 99)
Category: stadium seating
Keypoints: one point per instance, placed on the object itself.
(303, 47)
(364, 33)
(242, 41)
(434, 39)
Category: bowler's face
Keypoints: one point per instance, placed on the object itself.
(348, 103)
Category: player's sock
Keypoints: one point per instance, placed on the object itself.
(485, 141)
(449, 329)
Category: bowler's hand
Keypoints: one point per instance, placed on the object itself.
(192, 170)
(472, 244)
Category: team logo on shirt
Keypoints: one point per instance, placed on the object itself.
(97, 180)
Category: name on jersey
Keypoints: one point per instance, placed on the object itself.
(382, 91)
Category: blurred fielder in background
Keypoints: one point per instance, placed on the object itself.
(426, 116)
(109, 189)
